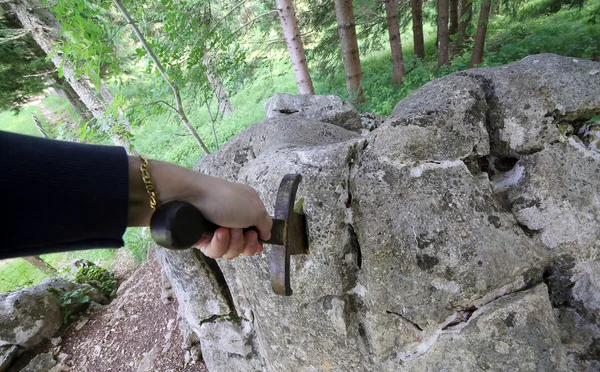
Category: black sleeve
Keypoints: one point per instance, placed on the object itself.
(60, 196)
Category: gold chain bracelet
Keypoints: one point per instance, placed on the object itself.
(148, 181)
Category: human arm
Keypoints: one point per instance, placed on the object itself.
(60, 196)
(231, 205)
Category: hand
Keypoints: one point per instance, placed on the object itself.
(231, 205)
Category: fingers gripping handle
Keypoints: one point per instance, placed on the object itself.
(179, 225)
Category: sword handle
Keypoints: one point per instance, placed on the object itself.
(179, 225)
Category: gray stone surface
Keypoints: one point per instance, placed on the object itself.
(225, 346)
(41, 363)
(198, 292)
(434, 238)
(328, 109)
(514, 333)
(536, 96)
(558, 197)
(30, 315)
(421, 253)
(7, 354)
(443, 120)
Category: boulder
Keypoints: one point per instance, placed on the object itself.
(557, 197)
(446, 239)
(443, 120)
(7, 354)
(328, 109)
(536, 98)
(517, 332)
(43, 362)
(33, 314)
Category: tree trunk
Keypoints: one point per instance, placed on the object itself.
(47, 35)
(347, 31)
(442, 33)
(225, 106)
(391, 9)
(289, 24)
(453, 17)
(466, 14)
(76, 102)
(417, 17)
(484, 15)
(73, 98)
(39, 126)
(44, 266)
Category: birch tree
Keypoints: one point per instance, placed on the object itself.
(178, 108)
(45, 31)
(289, 24)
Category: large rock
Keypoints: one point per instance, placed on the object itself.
(575, 295)
(415, 252)
(7, 354)
(33, 314)
(514, 333)
(328, 109)
(558, 197)
(533, 98)
(43, 362)
(225, 337)
(444, 120)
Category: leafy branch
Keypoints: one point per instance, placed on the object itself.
(172, 84)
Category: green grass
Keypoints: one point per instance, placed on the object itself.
(18, 273)
(22, 122)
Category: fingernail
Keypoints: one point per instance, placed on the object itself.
(236, 234)
(221, 235)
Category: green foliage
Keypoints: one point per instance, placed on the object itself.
(231, 317)
(88, 29)
(98, 277)
(18, 273)
(568, 32)
(20, 58)
(22, 122)
(137, 244)
(532, 9)
(72, 302)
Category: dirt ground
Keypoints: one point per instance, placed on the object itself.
(135, 332)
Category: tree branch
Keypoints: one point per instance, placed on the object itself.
(153, 103)
(254, 19)
(41, 74)
(226, 15)
(17, 36)
(174, 88)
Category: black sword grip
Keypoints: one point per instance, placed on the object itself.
(179, 225)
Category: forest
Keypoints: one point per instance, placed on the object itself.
(176, 79)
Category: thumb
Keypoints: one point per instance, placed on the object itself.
(264, 226)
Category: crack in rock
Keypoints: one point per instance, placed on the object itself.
(411, 324)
